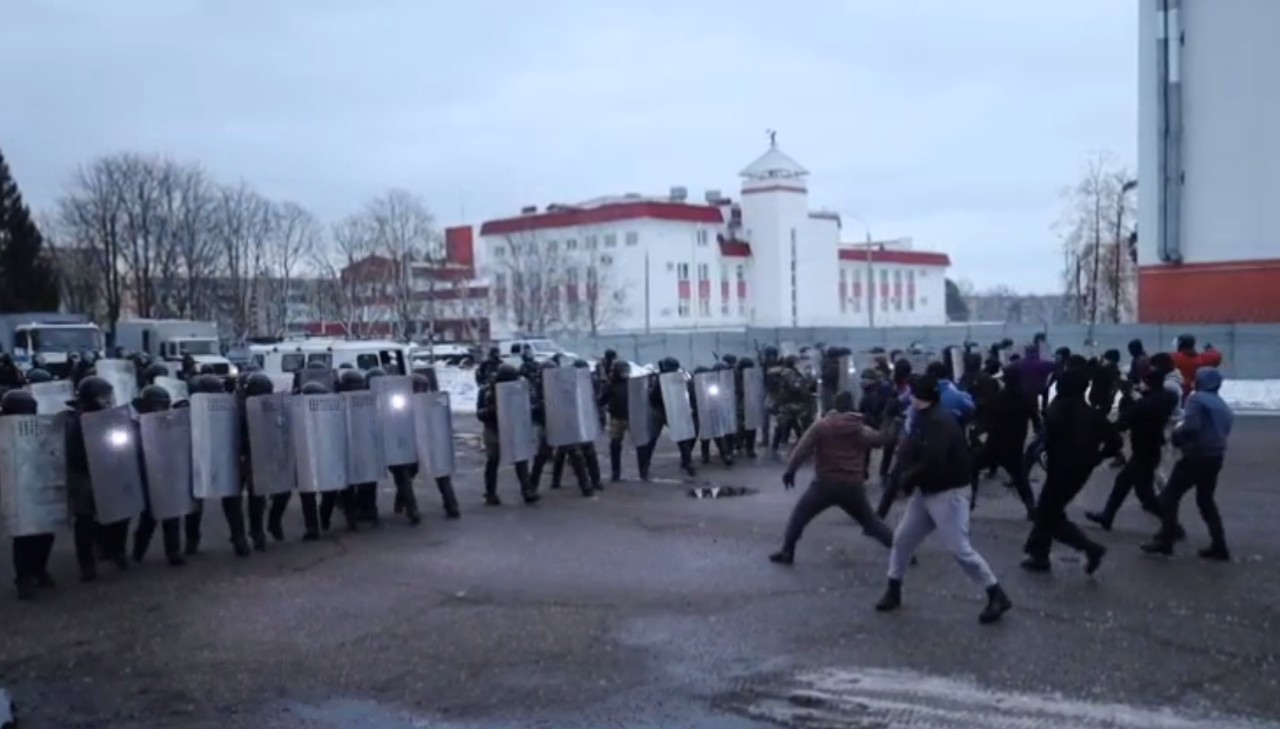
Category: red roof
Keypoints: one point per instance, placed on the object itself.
(680, 212)
(906, 258)
(735, 248)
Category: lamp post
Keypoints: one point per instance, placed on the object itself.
(871, 279)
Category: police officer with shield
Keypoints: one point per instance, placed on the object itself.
(722, 447)
(30, 551)
(613, 401)
(582, 452)
(256, 384)
(232, 506)
(154, 399)
(349, 380)
(487, 412)
(406, 501)
(92, 395)
(658, 401)
(745, 439)
(545, 452)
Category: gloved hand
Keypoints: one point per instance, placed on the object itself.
(788, 480)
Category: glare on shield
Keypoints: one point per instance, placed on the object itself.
(118, 438)
(398, 402)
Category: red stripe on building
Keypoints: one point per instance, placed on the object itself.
(857, 289)
(604, 214)
(742, 289)
(906, 258)
(704, 289)
(1245, 292)
(735, 249)
(911, 290)
(724, 289)
(897, 289)
(683, 289)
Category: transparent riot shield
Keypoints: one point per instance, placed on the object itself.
(123, 377)
(176, 388)
(753, 408)
(515, 422)
(394, 394)
(364, 452)
(571, 416)
(433, 429)
(281, 383)
(166, 458)
(675, 402)
(709, 396)
(52, 397)
(847, 378)
(728, 400)
(112, 450)
(319, 434)
(640, 416)
(955, 363)
(33, 474)
(271, 455)
(323, 375)
(215, 445)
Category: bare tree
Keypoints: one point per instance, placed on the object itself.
(242, 226)
(1096, 222)
(295, 236)
(404, 233)
(341, 296)
(533, 274)
(192, 258)
(90, 222)
(602, 300)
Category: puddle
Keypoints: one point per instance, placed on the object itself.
(720, 492)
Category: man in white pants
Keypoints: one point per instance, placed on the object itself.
(936, 471)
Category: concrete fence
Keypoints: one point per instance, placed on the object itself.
(1250, 351)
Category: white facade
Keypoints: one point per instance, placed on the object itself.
(1230, 91)
(665, 263)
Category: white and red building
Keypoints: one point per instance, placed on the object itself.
(766, 259)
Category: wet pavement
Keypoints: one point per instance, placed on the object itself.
(648, 608)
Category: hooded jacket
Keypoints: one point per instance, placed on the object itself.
(1033, 371)
(1188, 362)
(1207, 419)
(839, 444)
(1146, 420)
(1077, 437)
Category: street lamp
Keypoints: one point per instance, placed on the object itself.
(871, 280)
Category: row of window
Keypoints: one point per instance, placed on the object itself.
(590, 243)
(685, 308)
(704, 272)
(853, 296)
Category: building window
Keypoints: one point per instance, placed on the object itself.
(703, 237)
(724, 291)
(499, 252)
(632, 238)
(884, 290)
(553, 246)
(610, 240)
(844, 291)
(682, 271)
(683, 291)
(591, 242)
(897, 290)
(683, 309)
(704, 272)
(856, 293)
(704, 307)
(911, 290)
(571, 244)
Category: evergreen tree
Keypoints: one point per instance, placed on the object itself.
(27, 278)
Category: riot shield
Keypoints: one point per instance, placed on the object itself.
(114, 469)
(271, 454)
(955, 363)
(33, 474)
(515, 422)
(728, 400)
(52, 397)
(176, 388)
(123, 377)
(753, 409)
(675, 402)
(323, 375)
(364, 453)
(319, 434)
(846, 380)
(395, 419)
(710, 397)
(433, 430)
(166, 458)
(281, 383)
(571, 416)
(215, 445)
(640, 420)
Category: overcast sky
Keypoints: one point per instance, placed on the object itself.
(955, 123)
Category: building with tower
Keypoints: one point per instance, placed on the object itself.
(635, 263)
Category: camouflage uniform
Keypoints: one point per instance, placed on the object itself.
(794, 403)
(487, 413)
(613, 401)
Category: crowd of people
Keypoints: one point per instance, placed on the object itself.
(936, 432)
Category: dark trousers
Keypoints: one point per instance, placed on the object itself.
(1137, 475)
(886, 458)
(345, 499)
(171, 535)
(685, 447)
(1199, 473)
(577, 461)
(89, 535)
(1051, 522)
(722, 449)
(31, 557)
(366, 496)
(1008, 457)
(821, 496)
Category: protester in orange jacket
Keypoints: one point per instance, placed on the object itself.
(1187, 360)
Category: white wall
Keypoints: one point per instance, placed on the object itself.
(1231, 148)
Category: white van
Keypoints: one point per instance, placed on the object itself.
(285, 358)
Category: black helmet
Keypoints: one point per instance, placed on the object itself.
(620, 369)
(669, 364)
(581, 364)
(315, 388)
(791, 360)
(94, 393)
(350, 380)
(18, 402)
(152, 371)
(432, 380)
(730, 359)
(506, 373)
(746, 363)
(207, 370)
(771, 352)
(549, 365)
(152, 399)
(39, 375)
(375, 372)
(343, 366)
(421, 383)
(610, 354)
(258, 383)
(495, 353)
(210, 384)
(700, 370)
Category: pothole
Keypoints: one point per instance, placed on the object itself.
(720, 492)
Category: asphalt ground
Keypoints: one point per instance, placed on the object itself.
(647, 608)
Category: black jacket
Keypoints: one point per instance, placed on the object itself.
(1105, 385)
(1011, 411)
(1145, 419)
(935, 456)
(873, 405)
(614, 399)
(1077, 437)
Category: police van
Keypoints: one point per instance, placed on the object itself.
(287, 357)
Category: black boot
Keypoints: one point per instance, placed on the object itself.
(275, 517)
(892, 598)
(706, 452)
(491, 483)
(191, 529)
(1216, 553)
(615, 460)
(644, 456)
(310, 517)
(232, 509)
(592, 460)
(998, 604)
(528, 487)
(448, 497)
(748, 443)
(257, 514)
(1101, 518)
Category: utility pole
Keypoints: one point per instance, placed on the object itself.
(871, 286)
